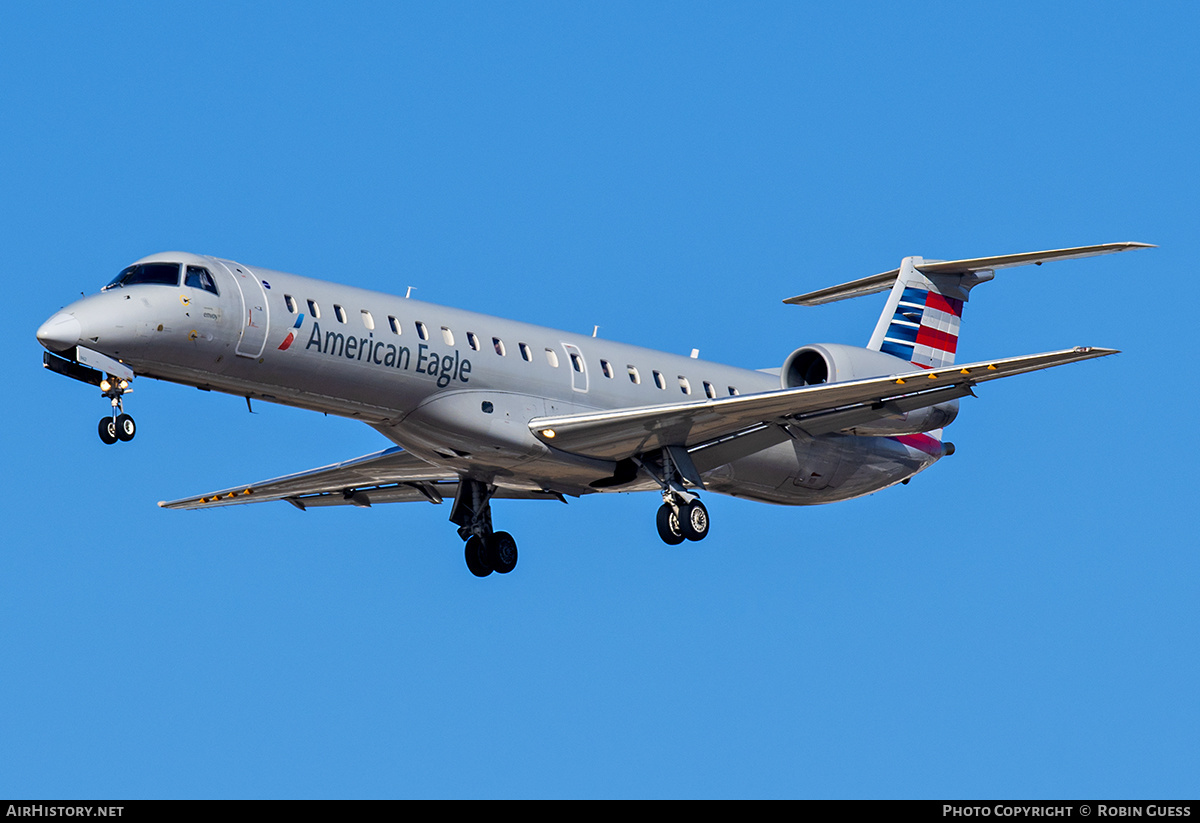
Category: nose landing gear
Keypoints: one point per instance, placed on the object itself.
(118, 425)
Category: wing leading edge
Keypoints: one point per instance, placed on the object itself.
(622, 433)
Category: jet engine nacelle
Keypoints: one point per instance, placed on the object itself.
(837, 363)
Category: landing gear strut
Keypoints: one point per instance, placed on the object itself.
(486, 551)
(118, 425)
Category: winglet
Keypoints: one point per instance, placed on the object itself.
(883, 281)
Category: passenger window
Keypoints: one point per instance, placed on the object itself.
(710, 390)
(422, 330)
(552, 357)
(368, 320)
(498, 345)
(577, 362)
(473, 341)
(339, 312)
(199, 277)
(526, 354)
(447, 336)
(733, 392)
(659, 381)
(314, 310)
(607, 368)
(634, 377)
(684, 386)
(394, 323)
(290, 303)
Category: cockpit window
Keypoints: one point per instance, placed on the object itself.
(199, 277)
(162, 274)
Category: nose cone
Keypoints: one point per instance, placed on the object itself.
(60, 332)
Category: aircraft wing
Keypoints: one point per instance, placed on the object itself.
(622, 433)
(389, 476)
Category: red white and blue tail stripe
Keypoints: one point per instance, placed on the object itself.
(924, 328)
(921, 319)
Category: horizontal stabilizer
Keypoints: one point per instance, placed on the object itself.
(883, 281)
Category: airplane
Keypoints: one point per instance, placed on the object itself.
(479, 408)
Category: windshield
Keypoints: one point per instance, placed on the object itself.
(163, 274)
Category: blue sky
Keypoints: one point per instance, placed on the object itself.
(1021, 621)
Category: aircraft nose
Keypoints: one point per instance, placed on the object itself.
(60, 332)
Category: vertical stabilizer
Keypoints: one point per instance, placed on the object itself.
(921, 319)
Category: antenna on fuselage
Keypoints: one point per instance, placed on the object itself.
(695, 353)
(408, 293)
(595, 329)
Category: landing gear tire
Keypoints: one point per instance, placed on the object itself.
(486, 551)
(668, 526)
(502, 552)
(125, 426)
(476, 553)
(693, 520)
(108, 430)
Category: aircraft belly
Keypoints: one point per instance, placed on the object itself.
(490, 425)
(812, 471)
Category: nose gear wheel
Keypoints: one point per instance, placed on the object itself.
(119, 425)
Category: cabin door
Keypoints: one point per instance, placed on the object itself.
(255, 313)
(578, 367)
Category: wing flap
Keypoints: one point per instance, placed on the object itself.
(622, 433)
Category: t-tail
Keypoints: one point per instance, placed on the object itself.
(920, 322)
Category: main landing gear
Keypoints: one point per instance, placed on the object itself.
(118, 425)
(680, 520)
(486, 551)
(681, 516)
(496, 552)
